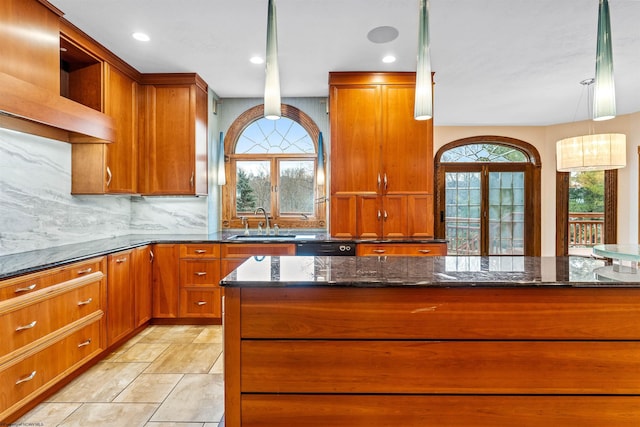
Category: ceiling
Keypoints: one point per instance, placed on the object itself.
(497, 62)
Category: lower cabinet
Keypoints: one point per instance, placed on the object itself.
(120, 297)
(141, 264)
(166, 279)
(199, 281)
(51, 323)
(401, 249)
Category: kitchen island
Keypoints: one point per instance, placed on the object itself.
(442, 341)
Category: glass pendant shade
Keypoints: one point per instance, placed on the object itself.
(272, 108)
(604, 95)
(591, 152)
(423, 107)
(320, 168)
(222, 179)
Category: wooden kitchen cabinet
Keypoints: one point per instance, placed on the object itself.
(166, 280)
(234, 254)
(141, 264)
(120, 297)
(111, 168)
(381, 157)
(200, 294)
(174, 135)
(401, 249)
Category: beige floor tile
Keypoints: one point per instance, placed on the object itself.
(47, 414)
(101, 383)
(143, 352)
(197, 397)
(186, 358)
(218, 367)
(210, 334)
(149, 388)
(110, 415)
(170, 424)
(172, 333)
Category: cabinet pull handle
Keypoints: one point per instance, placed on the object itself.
(110, 177)
(379, 251)
(424, 251)
(201, 273)
(84, 343)
(378, 180)
(385, 180)
(192, 178)
(379, 214)
(151, 255)
(25, 379)
(200, 251)
(81, 303)
(120, 260)
(29, 326)
(26, 289)
(85, 271)
(385, 215)
(201, 303)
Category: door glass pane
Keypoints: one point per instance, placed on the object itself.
(296, 189)
(462, 212)
(253, 186)
(586, 211)
(506, 213)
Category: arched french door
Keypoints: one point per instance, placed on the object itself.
(488, 196)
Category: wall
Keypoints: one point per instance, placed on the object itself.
(38, 211)
(544, 139)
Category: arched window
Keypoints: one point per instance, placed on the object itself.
(272, 164)
(488, 196)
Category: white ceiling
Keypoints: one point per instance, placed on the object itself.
(497, 62)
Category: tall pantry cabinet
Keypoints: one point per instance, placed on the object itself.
(381, 158)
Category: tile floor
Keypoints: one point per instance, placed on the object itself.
(166, 376)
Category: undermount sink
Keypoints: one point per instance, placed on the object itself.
(254, 237)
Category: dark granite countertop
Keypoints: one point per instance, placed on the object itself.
(445, 271)
(32, 261)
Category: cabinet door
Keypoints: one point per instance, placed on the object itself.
(407, 145)
(420, 216)
(355, 138)
(369, 217)
(121, 104)
(343, 216)
(176, 137)
(141, 261)
(166, 281)
(119, 296)
(394, 217)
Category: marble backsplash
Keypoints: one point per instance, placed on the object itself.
(38, 211)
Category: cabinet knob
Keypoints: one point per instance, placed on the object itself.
(120, 260)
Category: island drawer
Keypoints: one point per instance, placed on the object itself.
(441, 313)
(401, 249)
(245, 250)
(22, 285)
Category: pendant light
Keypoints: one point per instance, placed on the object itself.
(593, 151)
(320, 167)
(604, 99)
(423, 107)
(272, 108)
(222, 178)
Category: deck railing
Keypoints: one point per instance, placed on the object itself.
(585, 229)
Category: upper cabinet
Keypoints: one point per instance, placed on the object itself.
(381, 157)
(30, 80)
(174, 135)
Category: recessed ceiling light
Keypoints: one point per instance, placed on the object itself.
(389, 59)
(383, 34)
(141, 37)
(256, 60)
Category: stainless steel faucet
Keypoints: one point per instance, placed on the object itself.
(266, 219)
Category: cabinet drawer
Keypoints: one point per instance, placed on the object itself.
(22, 285)
(200, 303)
(203, 250)
(401, 249)
(21, 324)
(245, 250)
(39, 370)
(199, 273)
